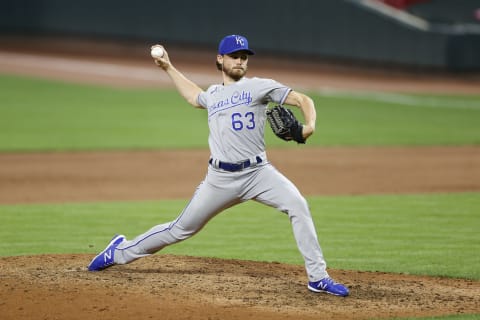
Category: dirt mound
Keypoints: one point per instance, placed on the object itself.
(179, 287)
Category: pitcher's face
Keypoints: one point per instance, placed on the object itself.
(235, 65)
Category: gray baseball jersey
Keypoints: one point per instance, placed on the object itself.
(236, 116)
(238, 171)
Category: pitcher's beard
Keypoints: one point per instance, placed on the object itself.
(235, 73)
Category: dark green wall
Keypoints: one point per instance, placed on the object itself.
(333, 29)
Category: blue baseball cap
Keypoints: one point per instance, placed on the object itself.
(234, 43)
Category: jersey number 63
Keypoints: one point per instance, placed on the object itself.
(240, 121)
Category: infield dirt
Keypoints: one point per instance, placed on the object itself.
(178, 287)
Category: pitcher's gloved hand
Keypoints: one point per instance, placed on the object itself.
(284, 124)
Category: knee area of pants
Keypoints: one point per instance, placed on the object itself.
(182, 234)
(299, 208)
(299, 203)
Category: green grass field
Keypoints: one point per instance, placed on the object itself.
(45, 115)
(434, 234)
(394, 233)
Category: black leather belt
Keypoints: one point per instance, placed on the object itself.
(232, 167)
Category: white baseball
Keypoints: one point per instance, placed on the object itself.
(157, 52)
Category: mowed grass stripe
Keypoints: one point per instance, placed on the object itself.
(39, 115)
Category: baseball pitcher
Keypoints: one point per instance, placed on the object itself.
(238, 168)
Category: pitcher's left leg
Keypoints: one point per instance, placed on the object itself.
(274, 189)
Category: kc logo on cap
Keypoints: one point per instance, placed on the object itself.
(234, 43)
(239, 40)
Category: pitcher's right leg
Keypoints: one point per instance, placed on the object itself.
(205, 204)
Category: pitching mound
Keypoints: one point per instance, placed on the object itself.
(178, 287)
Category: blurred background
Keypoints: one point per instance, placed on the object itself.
(413, 35)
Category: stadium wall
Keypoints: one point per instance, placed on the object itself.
(341, 30)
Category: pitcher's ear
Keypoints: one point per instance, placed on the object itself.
(219, 62)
